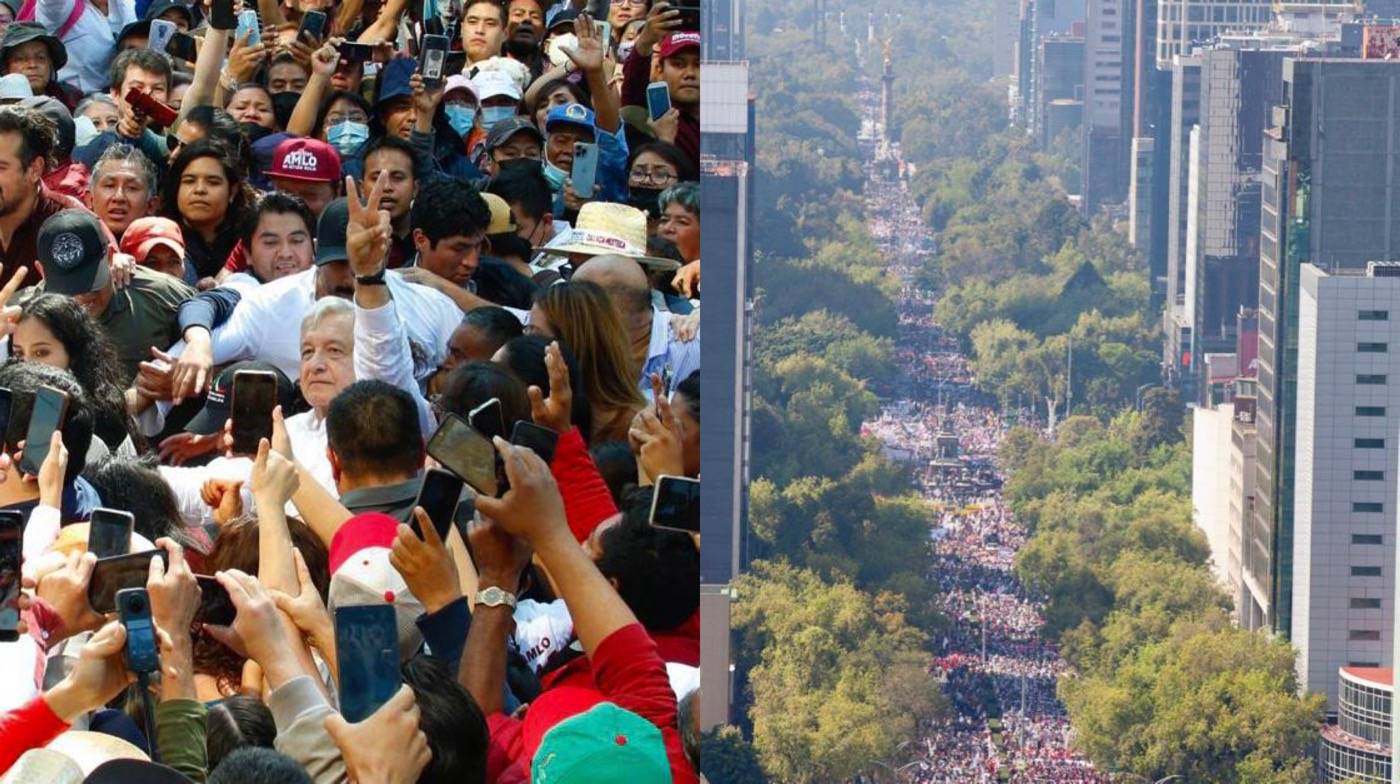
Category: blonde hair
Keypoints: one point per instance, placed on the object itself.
(590, 324)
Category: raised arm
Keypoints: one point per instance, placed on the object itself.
(206, 71)
(323, 62)
(386, 25)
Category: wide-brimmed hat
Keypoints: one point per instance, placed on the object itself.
(22, 33)
(609, 228)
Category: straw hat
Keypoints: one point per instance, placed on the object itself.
(609, 228)
(501, 220)
(91, 749)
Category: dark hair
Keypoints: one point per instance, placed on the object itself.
(448, 207)
(37, 134)
(495, 323)
(339, 95)
(258, 764)
(685, 167)
(525, 358)
(499, 4)
(134, 484)
(92, 359)
(23, 379)
(617, 465)
(525, 188)
(276, 203)
(386, 142)
(236, 547)
(477, 382)
(656, 570)
(243, 195)
(690, 389)
(241, 86)
(286, 56)
(235, 723)
(662, 248)
(373, 427)
(123, 153)
(687, 718)
(220, 126)
(452, 721)
(148, 60)
(580, 95)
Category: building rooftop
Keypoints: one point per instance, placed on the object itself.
(1375, 676)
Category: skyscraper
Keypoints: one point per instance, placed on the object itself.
(1181, 23)
(1330, 196)
(1344, 484)
(1178, 364)
(1109, 53)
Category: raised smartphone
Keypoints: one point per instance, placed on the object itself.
(248, 25)
(487, 419)
(109, 532)
(50, 410)
(134, 610)
(438, 495)
(658, 100)
(585, 169)
(367, 650)
(254, 397)
(313, 27)
(466, 453)
(11, 549)
(215, 606)
(675, 504)
(162, 30)
(111, 575)
(538, 438)
(432, 60)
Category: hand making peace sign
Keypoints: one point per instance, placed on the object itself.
(370, 230)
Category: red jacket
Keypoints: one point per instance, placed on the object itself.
(25, 728)
(587, 500)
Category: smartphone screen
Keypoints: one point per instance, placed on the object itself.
(109, 532)
(541, 439)
(690, 15)
(134, 610)
(113, 574)
(313, 26)
(248, 25)
(11, 542)
(658, 99)
(182, 47)
(585, 169)
(50, 408)
(675, 504)
(466, 453)
(221, 14)
(433, 59)
(215, 606)
(254, 397)
(5, 398)
(487, 419)
(367, 649)
(438, 495)
(351, 52)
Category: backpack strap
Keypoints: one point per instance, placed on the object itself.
(28, 11)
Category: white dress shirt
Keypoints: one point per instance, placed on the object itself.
(382, 352)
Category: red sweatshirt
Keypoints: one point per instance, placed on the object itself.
(587, 501)
(25, 728)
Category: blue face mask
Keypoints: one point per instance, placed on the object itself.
(461, 118)
(555, 175)
(347, 137)
(490, 115)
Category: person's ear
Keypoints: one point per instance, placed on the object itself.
(335, 464)
(421, 242)
(39, 265)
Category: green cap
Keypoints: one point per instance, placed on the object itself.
(604, 744)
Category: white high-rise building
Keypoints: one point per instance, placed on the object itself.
(1182, 23)
(1344, 479)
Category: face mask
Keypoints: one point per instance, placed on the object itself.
(645, 199)
(347, 137)
(461, 118)
(554, 175)
(282, 106)
(521, 47)
(253, 131)
(490, 115)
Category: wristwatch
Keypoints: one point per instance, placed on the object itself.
(377, 279)
(495, 597)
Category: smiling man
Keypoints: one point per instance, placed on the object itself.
(278, 241)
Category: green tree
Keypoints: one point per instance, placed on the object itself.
(726, 757)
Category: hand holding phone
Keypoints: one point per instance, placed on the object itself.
(221, 16)
(313, 27)
(162, 30)
(248, 25)
(254, 397)
(367, 651)
(540, 439)
(134, 610)
(109, 532)
(110, 575)
(432, 60)
(11, 556)
(215, 606)
(438, 495)
(658, 100)
(160, 114)
(465, 452)
(48, 414)
(182, 46)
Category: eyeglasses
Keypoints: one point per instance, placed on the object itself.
(656, 176)
(629, 2)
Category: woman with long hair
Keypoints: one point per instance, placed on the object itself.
(56, 331)
(205, 193)
(581, 315)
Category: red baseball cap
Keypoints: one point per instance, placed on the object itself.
(676, 42)
(144, 234)
(307, 160)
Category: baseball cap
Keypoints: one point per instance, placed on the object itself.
(676, 42)
(570, 114)
(306, 160)
(218, 404)
(74, 253)
(361, 574)
(501, 132)
(330, 232)
(144, 234)
(491, 84)
(501, 220)
(560, 16)
(14, 87)
(159, 7)
(134, 771)
(459, 82)
(602, 744)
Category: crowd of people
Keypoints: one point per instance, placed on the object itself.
(997, 672)
(472, 223)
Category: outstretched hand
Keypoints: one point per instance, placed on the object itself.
(370, 230)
